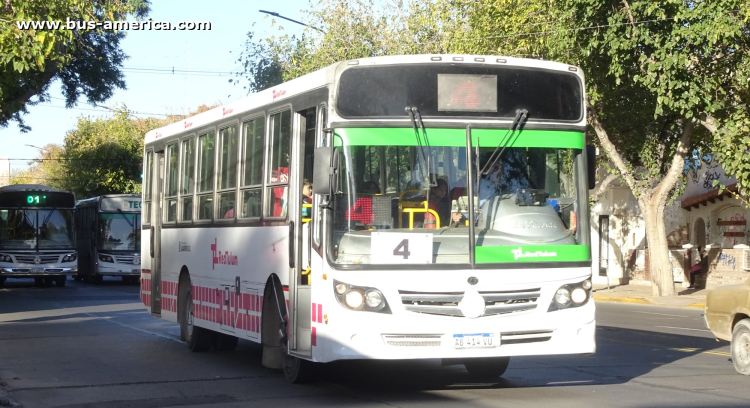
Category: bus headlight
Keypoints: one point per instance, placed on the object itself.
(360, 298)
(571, 295)
(69, 258)
(106, 258)
(354, 299)
(5, 258)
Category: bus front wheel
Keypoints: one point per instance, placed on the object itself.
(198, 339)
(487, 367)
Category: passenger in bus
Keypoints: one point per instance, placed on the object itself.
(370, 187)
(306, 197)
(440, 203)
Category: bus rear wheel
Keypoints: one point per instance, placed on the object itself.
(492, 367)
(198, 339)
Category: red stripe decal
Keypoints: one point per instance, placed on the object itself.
(314, 312)
(320, 313)
(313, 337)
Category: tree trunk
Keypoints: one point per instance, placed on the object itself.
(658, 249)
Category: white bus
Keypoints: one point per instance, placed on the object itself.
(392, 260)
(37, 237)
(108, 235)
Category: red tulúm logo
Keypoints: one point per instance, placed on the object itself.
(188, 124)
(222, 258)
(158, 135)
(226, 111)
(277, 94)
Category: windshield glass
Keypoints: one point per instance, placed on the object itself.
(36, 229)
(393, 208)
(120, 231)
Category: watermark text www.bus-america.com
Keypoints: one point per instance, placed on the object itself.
(145, 25)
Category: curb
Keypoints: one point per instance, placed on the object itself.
(643, 301)
(623, 300)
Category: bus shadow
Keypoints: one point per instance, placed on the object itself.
(622, 355)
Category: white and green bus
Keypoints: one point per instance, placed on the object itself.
(449, 215)
(108, 236)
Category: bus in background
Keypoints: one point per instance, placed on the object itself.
(449, 216)
(37, 234)
(108, 235)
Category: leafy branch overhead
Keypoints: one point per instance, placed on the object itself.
(86, 60)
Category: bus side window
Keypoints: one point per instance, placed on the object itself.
(278, 164)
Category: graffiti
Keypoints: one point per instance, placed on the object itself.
(732, 239)
(708, 183)
(727, 260)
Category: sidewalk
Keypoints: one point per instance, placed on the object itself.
(641, 294)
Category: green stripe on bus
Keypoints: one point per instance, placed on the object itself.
(457, 137)
(531, 253)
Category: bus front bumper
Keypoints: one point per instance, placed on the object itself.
(561, 332)
(35, 272)
(118, 270)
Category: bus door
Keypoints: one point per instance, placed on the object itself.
(156, 221)
(301, 219)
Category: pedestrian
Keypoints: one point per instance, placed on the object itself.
(695, 270)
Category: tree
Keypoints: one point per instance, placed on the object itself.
(105, 155)
(44, 169)
(350, 30)
(86, 60)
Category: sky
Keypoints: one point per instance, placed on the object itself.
(160, 92)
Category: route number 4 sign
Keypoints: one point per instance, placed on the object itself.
(401, 248)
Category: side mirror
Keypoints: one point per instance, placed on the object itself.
(325, 170)
(591, 166)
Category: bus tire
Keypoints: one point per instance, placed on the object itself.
(271, 327)
(491, 367)
(225, 342)
(198, 339)
(297, 370)
(60, 281)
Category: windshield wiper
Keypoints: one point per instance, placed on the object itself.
(516, 125)
(424, 159)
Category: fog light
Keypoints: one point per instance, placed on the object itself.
(586, 284)
(562, 296)
(341, 288)
(354, 299)
(373, 298)
(579, 295)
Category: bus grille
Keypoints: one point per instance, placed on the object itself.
(124, 259)
(30, 259)
(412, 340)
(525, 337)
(446, 303)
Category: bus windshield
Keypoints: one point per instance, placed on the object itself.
(389, 209)
(36, 229)
(119, 231)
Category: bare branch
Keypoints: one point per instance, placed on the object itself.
(612, 152)
(661, 192)
(599, 192)
(708, 122)
(630, 15)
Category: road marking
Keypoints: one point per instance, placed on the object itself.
(683, 328)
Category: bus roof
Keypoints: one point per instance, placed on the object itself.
(324, 76)
(30, 187)
(94, 201)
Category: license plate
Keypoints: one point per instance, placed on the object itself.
(475, 340)
(37, 270)
(136, 271)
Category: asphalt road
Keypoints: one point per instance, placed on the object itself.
(89, 345)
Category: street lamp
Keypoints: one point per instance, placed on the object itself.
(293, 21)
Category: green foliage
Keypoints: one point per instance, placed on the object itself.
(86, 61)
(105, 155)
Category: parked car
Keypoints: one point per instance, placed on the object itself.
(728, 317)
